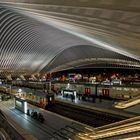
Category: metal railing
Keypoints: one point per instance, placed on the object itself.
(128, 103)
(120, 128)
(4, 135)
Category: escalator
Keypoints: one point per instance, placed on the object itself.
(70, 132)
(126, 104)
(123, 129)
(113, 131)
(4, 135)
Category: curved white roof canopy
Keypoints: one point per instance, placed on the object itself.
(39, 40)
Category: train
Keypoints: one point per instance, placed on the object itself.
(108, 91)
(43, 102)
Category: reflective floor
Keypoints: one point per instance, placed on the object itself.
(42, 131)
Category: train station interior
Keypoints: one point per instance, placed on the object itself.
(69, 69)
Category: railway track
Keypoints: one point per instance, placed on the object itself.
(89, 117)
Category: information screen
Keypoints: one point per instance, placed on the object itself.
(19, 104)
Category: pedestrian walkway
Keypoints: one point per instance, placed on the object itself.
(54, 124)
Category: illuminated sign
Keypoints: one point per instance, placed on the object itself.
(25, 107)
(68, 92)
(105, 92)
(87, 90)
(18, 103)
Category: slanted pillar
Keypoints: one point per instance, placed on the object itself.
(22, 77)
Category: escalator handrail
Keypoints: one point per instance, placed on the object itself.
(120, 127)
(118, 123)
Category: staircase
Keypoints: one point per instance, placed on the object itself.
(74, 131)
(70, 132)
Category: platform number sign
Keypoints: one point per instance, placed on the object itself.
(105, 92)
(87, 90)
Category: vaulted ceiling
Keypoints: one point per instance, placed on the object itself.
(54, 35)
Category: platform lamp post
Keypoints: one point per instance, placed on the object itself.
(96, 87)
(50, 84)
(6, 83)
(10, 90)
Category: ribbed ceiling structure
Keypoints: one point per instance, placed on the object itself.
(54, 35)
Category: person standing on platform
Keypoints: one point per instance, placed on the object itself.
(72, 97)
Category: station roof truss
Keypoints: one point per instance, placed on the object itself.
(50, 36)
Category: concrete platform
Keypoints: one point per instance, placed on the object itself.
(101, 105)
(42, 131)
